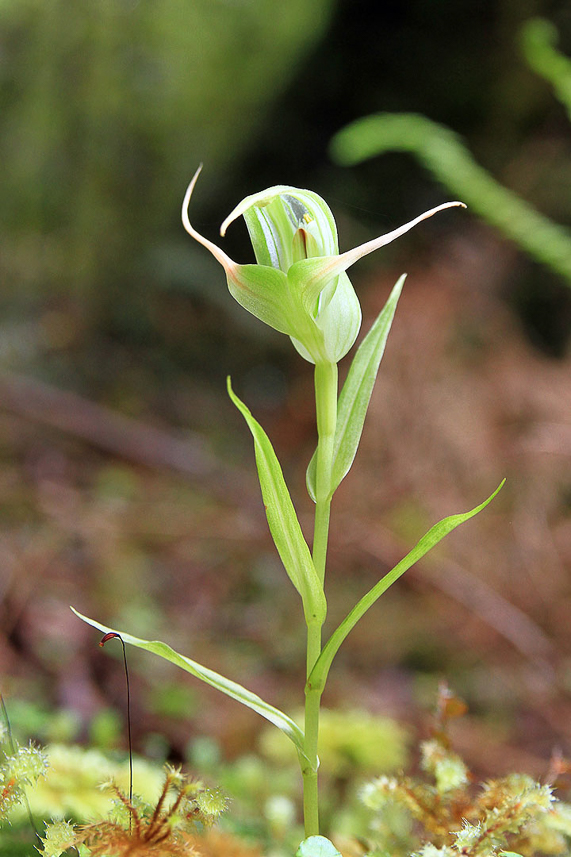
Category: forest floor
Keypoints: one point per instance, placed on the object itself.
(162, 533)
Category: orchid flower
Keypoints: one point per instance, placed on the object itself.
(299, 285)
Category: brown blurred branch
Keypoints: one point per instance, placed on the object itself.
(153, 447)
(118, 434)
(548, 437)
(473, 593)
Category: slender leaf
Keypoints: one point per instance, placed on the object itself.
(356, 394)
(427, 542)
(225, 685)
(282, 519)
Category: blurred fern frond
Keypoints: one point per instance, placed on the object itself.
(446, 157)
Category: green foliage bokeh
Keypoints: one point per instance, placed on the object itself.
(107, 109)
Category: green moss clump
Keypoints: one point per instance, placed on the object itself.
(350, 743)
(445, 814)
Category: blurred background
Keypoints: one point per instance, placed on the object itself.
(127, 483)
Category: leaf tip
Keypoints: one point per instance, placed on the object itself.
(492, 495)
(233, 397)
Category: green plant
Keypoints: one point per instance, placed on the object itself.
(299, 286)
(146, 78)
(538, 39)
(445, 156)
(20, 767)
(445, 814)
(351, 743)
(71, 788)
(60, 783)
(139, 828)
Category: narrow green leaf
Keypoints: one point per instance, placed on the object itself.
(358, 387)
(356, 394)
(282, 519)
(225, 685)
(427, 542)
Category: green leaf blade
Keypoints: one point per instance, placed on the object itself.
(423, 546)
(224, 685)
(356, 394)
(283, 522)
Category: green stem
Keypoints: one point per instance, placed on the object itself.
(310, 782)
(326, 411)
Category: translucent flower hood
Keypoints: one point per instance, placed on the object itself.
(299, 284)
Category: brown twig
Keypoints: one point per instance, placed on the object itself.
(117, 434)
(473, 593)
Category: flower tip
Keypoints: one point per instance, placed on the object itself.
(218, 254)
(454, 204)
(186, 201)
(226, 224)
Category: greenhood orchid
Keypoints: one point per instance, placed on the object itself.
(299, 285)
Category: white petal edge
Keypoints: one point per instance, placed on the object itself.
(227, 263)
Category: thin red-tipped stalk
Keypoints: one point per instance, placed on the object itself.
(102, 642)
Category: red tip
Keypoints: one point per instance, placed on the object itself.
(110, 636)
